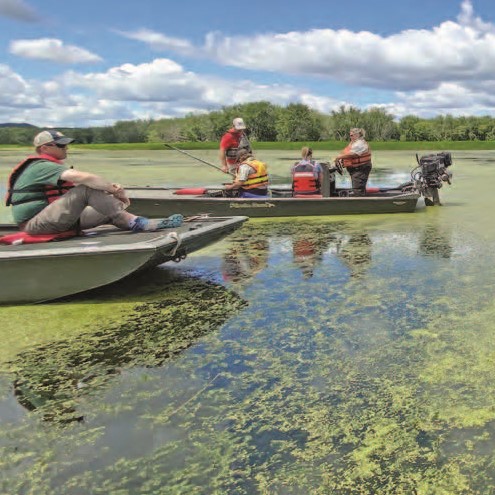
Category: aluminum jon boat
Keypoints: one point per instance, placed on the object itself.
(426, 179)
(44, 271)
(162, 202)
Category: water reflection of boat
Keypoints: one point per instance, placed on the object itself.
(245, 258)
(355, 253)
(308, 250)
(39, 272)
(250, 248)
(52, 377)
(435, 241)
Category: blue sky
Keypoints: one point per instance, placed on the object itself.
(95, 62)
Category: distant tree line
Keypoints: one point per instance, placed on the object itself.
(270, 123)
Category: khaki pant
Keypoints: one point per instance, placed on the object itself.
(82, 204)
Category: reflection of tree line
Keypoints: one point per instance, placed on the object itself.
(51, 378)
(249, 251)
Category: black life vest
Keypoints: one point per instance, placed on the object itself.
(243, 144)
(47, 192)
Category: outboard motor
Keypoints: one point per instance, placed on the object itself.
(430, 174)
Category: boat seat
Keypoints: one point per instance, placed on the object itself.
(276, 193)
(308, 196)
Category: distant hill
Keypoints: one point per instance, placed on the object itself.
(15, 124)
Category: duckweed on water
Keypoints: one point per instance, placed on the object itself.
(50, 378)
(377, 384)
(363, 365)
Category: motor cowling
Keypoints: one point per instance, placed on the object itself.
(433, 169)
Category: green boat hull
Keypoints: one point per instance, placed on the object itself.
(156, 202)
(40, 272)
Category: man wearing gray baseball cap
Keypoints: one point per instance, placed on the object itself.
(47, 197)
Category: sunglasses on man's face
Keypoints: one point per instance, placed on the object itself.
(57, 145)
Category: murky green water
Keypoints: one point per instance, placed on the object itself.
(349, 355)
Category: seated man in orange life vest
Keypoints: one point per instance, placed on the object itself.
(307, 175)
(251, 180)
(356, 158)
(48, 197)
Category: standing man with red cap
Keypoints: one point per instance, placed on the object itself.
(232, 141)
(47, 197)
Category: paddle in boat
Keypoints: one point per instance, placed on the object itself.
(426, 179)
(34, 271)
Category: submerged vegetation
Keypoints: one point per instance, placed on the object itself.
(356, 357)
(51, 377)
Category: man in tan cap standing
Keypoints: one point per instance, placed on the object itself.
(232, 141)
(48, 197)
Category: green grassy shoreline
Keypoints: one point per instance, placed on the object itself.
(317, 145)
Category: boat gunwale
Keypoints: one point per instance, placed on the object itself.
(160, 240)
(375, 197)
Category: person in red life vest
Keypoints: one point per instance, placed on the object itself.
(356, 158)
(232, 141)
(251, 180)
(47, 197)
(245, 259)
(307, 175)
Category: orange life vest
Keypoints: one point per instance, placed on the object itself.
(305, 179)
(257, 178)
(47, 192)
(356, 160)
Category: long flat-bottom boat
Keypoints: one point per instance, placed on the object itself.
(45, 271)
(158, 202)
(426, 179)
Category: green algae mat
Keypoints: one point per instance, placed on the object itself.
(307, 356)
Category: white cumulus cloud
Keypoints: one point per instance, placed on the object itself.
(15, 92)
(445, 69)
(165, 81)
(161, 88)
(460, 51)
(53, 50)
(404, 61)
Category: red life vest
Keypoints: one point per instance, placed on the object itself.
(305, 178)
(25, 238)
(356, 160)
(47, 192)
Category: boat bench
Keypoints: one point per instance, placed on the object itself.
(308, 196)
